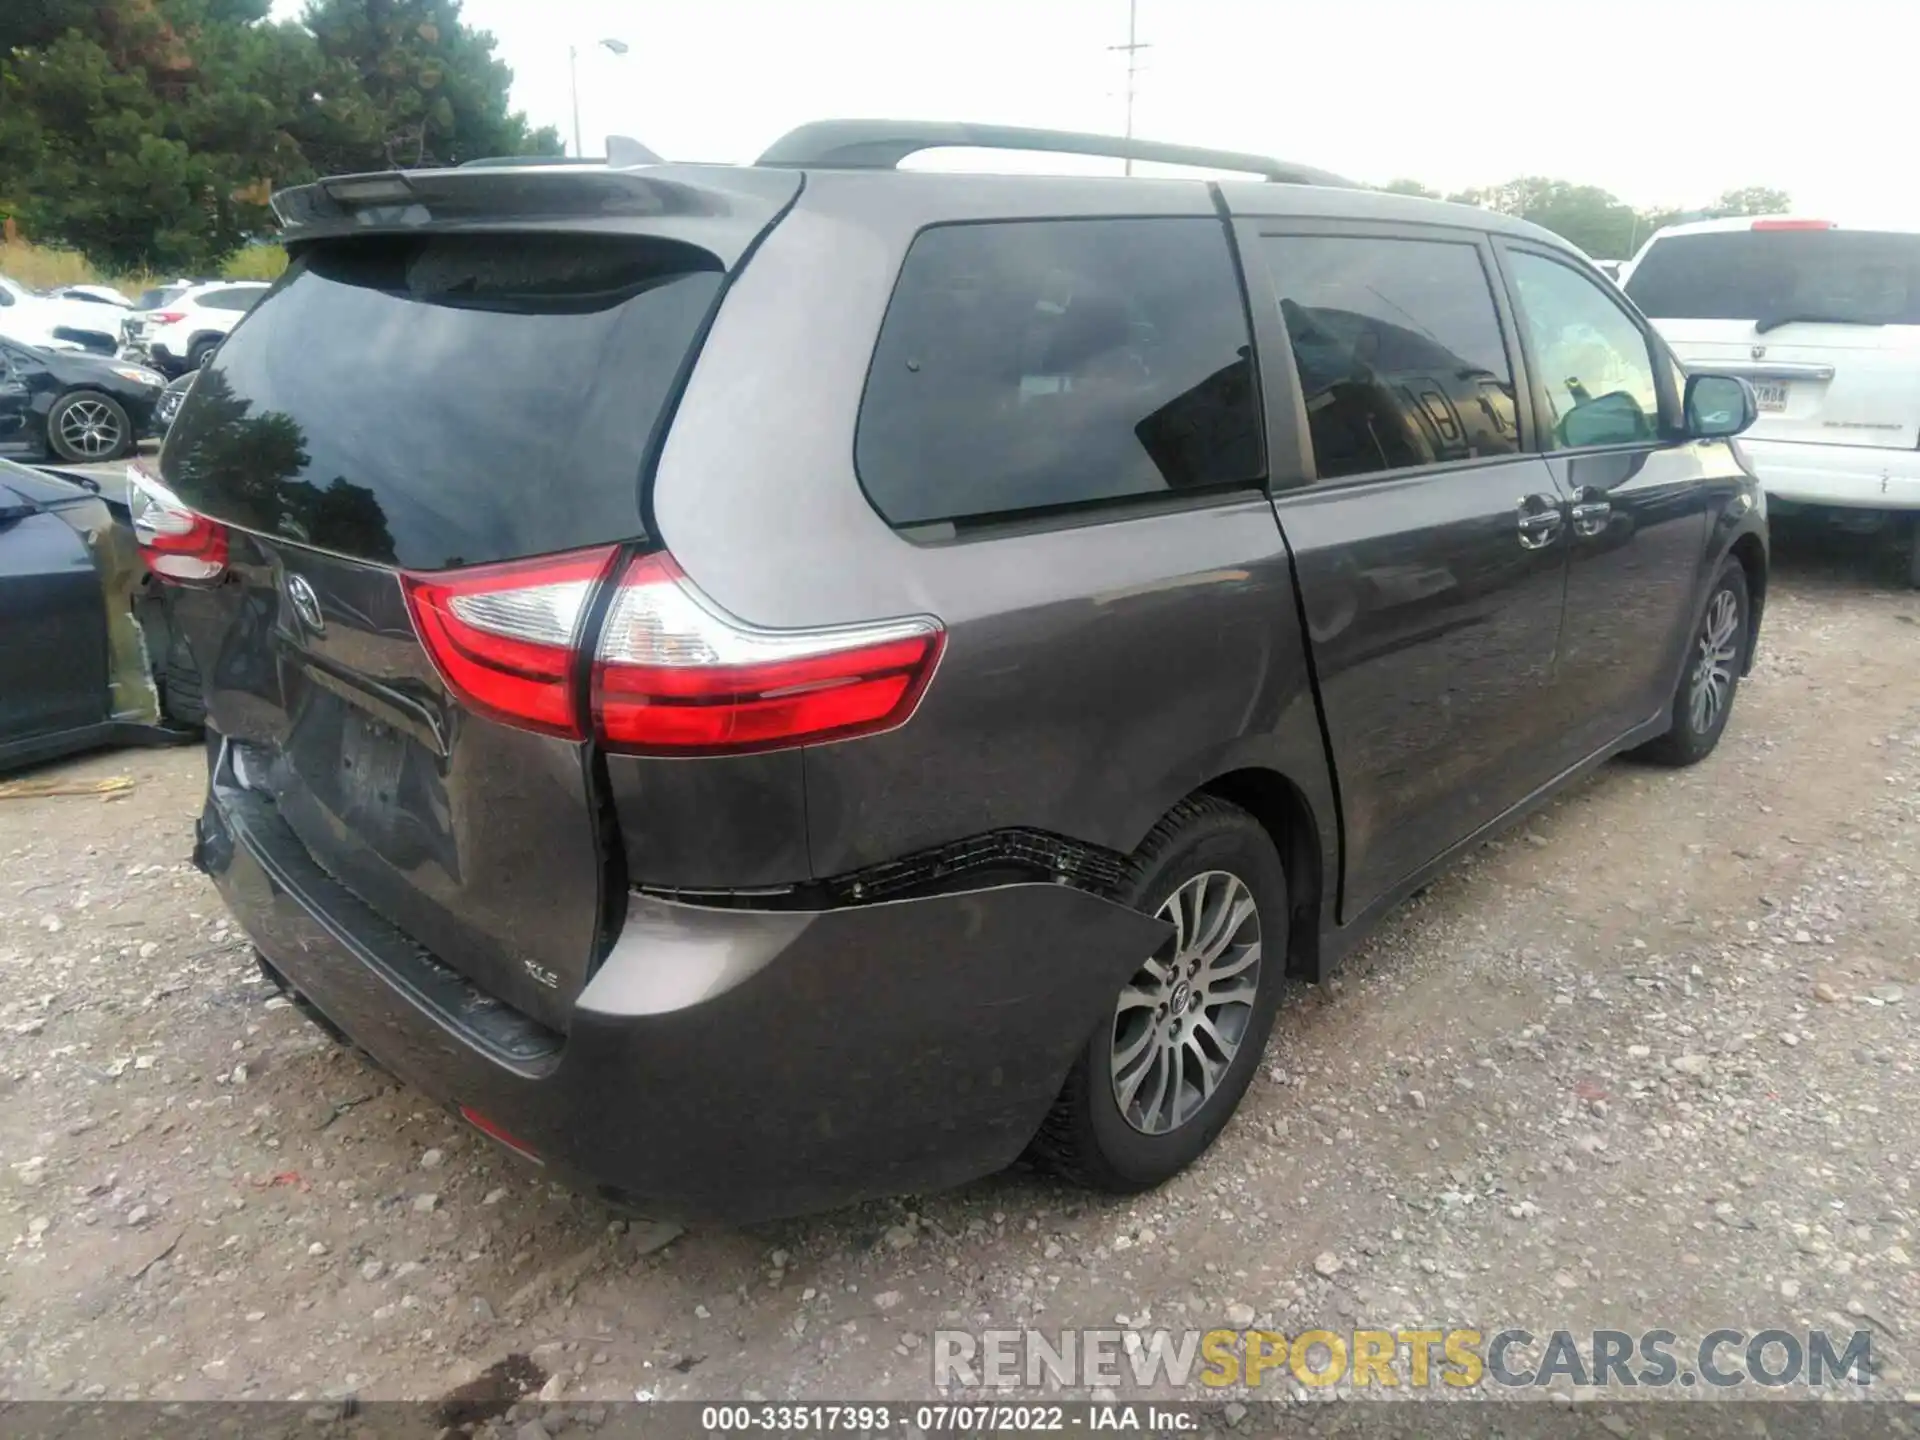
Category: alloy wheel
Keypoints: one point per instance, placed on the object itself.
(1715, 663)
(1180, 1020)
(90, 428)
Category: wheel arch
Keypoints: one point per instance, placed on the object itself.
(1751, 552)
(1285, 813)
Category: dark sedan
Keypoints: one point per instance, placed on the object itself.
(80, 408)
(87, 653)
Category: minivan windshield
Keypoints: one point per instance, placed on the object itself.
(433, 401)
(1775, 277)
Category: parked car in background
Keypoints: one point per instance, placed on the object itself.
(1139, 519)
(180, 334)
(92, 295)
(150, 302)
(1824, 320)
(77, 407)
(87, 657)
(36, 319)
(171, 399)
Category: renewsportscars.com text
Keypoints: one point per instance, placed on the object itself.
(1402, 1359)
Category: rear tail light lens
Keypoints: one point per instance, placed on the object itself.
(167, 317)
(505, 637)
(672, 673)
(676, 675)
(176, 542)
(1794, 225)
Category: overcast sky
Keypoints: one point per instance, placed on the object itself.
(1664, 103)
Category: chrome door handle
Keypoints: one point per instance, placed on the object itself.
(1590, 516)
(1539, 521)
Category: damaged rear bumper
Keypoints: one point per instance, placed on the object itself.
(727, 1063)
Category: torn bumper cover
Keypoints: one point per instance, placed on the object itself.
(726, 1064)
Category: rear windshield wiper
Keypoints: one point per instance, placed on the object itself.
(1774, 322)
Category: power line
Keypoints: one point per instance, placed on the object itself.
(1133, 47)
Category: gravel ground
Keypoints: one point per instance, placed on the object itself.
(1648, 1061)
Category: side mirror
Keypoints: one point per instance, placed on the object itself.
(1611, 419)
(1719, 406)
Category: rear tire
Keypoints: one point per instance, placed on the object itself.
(1185, 1035)
(182, 701)
(1913, 552)
(199, 351)
(1716, 655)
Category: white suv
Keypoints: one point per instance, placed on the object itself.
(1824, 322)
(180, 337)
(35, 319)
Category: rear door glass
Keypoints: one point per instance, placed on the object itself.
(1847, 276)
(1398, 345)
(434, 401)
(1034, 365)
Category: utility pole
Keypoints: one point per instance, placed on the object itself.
(1133, 47)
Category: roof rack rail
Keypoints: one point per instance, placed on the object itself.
(883, 144)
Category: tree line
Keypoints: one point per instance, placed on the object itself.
(152, 133)
(1602, 224)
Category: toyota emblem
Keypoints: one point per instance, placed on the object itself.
(305, 603)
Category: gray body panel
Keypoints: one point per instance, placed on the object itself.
(1379, 668)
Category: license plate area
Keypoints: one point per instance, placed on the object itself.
(371, 758)
(1771, 395)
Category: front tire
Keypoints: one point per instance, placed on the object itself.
(86, 427)
(1716, 655)
(1167, 1065)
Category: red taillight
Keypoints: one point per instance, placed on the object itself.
(505, 637)
(176, 542)
(672, 673)
(168, 317)
(1773, 224)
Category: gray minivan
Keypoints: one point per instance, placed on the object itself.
(768, 685)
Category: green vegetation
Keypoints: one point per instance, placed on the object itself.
(150, 134)
(43, 267)
(1600, 223)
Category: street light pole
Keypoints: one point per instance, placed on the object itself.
(612, 47)
(573, 80)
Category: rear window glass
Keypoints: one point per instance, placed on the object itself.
(1027, 365)
(1862, 276)
(441, 401)
(231, 299)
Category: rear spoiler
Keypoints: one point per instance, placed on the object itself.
(720, 208)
